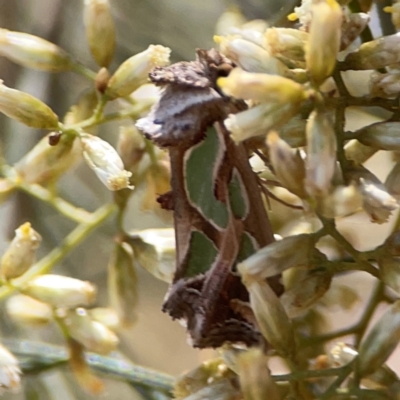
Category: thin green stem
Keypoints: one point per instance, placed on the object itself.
(36, 357)
(359, 328)
(309, 374)
(45, 265)
(338, 381)
(84, 71)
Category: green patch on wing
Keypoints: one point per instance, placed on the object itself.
(202, 253)
(247, 247)
(237, 196)
(200, 163)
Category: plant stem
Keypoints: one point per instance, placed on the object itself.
(36, 357)
(84, 71)
(45, 265)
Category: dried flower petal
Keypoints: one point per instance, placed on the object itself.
(105, 162)
(20, 254)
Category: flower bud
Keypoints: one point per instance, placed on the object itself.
(377, 202)
(305, 293)
(380, 342)
(101, 81)
(255, 377)
(158, 177)
(122, 283)
(258, 120)
(44, 164)
(33, 52)
(385, 85)
(389, 268)
(324, 40)
(381, 135)
(293, 132)
(271, 317)
(230, 18)
(100, 30)
(249, 56)
(104, 160)
(394, 10)
(321, 153)
(154, 250)
(343, 201)
(286, 42)
(134, 71)
(357, 152)
(26, 109)
(287, 163)
(9, 371)
(376, 54)
(131, 147)
(26, 310)
(262, 87)
(60, 291)
(20, 254)
(106, 316)
(278, 256)
(91, 334)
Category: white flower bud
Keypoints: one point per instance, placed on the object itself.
(20, 255)
(9, 371)
(44, 164)
(287, 163)
(104, 160)
(277, 257)
(258, 120)
(26, 109)
(321, 153)
(155, 251)
(385, 85)
(262, 87)
(376, 54)
(91, 334)
(33, 52)
(249, 56)
(100, 30)
(230, 18)
(381, 135)
(133, 72)
(324, 40)
(26, 310)
(60, 291)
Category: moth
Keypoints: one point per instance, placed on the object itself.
(219, 215)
